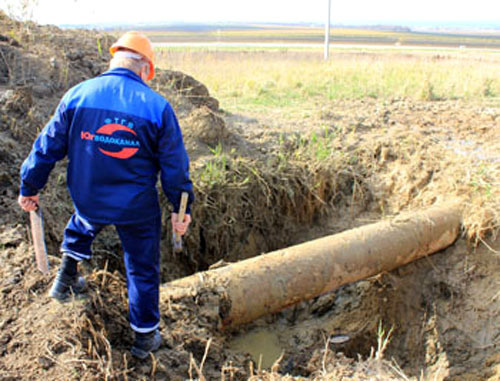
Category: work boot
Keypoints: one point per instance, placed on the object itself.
(65, 285)
(145, 343)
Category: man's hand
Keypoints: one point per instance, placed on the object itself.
(29, 203)
(180, 227)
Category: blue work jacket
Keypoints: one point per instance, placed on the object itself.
(118, 135)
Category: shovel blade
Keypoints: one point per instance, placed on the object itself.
(38, 235)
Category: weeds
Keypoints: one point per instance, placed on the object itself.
(483, 182)
(318, 147)
(215, 169)
(489, 87)
(428, 91)
(383, 339)
(64, 75)
(99, 46)
(199, 369)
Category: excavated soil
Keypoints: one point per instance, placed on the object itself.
(262, 183)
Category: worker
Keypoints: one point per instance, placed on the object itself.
(118, 135)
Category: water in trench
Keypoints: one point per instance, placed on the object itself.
(263, 345)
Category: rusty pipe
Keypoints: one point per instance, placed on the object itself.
(268, 283)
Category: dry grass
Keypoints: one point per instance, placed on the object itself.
(260, 80)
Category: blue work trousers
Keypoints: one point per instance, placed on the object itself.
(141, 246)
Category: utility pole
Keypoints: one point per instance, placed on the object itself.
(327, 30)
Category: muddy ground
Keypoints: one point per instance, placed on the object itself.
(262, 183)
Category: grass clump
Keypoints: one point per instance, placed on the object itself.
(215, 168)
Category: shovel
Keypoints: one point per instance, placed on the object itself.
(38, 234)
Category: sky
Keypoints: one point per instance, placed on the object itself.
(347, 12)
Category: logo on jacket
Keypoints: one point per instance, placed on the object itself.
(114, 140)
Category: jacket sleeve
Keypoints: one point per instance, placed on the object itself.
(174, 161)
(50, 147)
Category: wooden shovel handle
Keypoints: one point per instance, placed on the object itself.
(181, 214)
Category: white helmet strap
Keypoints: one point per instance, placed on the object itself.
(127, 54)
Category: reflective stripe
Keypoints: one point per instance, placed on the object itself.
(144, 330)
(76, 256)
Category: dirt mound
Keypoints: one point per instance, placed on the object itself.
(188, 88)
(207, 126)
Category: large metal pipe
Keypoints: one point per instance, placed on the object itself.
(268, 283)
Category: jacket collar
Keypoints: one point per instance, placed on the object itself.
(121, 71)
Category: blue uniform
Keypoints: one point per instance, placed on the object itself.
(118, 135)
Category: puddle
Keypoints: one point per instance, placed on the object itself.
(258, 343)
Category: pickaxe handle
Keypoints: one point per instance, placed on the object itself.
(182, 212)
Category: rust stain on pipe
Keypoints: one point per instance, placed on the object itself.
(268, 283)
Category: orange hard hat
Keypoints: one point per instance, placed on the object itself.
(138, 42)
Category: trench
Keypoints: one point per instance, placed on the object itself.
(408, 306)
(415, 316)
